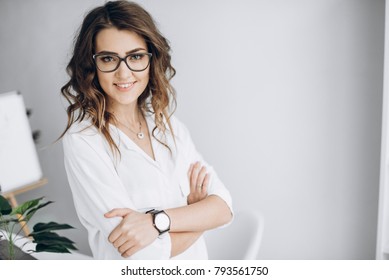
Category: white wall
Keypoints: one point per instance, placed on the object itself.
(382, 251)
(282, 97)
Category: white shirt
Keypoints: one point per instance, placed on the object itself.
(101, 181)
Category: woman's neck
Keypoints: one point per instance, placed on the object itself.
(129, 114)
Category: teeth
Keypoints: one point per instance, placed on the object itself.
(124, 85)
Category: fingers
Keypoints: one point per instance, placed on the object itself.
(133, 233)
(117, 232)
(119, 243)
(197, 175)
(194, 175)
(198, 180)
(114, 236)
(117, 212)
(130, 251)
(204, 189)
(190, 171)
(126, 247)
(200, 177)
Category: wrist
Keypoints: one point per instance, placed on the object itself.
(160, 221)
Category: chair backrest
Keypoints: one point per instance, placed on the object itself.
(240, 240)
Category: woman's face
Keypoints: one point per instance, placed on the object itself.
(122, 86)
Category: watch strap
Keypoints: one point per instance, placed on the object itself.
(154, 213)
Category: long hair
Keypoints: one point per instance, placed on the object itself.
(83, 91)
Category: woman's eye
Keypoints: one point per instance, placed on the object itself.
(107, 58)
(136, 56)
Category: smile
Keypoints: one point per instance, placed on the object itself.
(124, 85)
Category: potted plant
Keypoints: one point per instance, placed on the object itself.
(43, 234)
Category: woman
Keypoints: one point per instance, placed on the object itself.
(138, 184)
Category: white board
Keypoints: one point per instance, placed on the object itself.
(19, 163)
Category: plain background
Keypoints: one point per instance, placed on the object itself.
(283, 98)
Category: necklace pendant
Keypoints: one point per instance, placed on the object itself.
(140, 135)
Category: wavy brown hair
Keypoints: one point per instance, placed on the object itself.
(83, 91)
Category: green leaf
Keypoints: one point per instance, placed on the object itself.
(43, 235)
(45, 227)
(51, 248)
(32, 211)
(57, 243)
(5, 207)
(7, 221)
(49, 238)
(21, 209)
(52, 239)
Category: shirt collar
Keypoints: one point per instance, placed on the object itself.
(122, 140)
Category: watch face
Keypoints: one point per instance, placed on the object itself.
(162, 221)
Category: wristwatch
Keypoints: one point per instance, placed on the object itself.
(161, 220)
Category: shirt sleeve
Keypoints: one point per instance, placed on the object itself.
(97, 189)
(216, 186)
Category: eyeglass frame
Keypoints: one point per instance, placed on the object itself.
(122, 59)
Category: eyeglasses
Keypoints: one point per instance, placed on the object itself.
(136, 62)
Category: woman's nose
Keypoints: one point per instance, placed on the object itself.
(123, 70)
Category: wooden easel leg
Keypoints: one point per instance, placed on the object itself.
(14, 204)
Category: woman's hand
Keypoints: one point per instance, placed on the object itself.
(135, 231)
(198, 180)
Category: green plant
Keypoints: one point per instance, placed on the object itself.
(43, 233)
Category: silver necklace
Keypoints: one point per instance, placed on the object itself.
(139, 134)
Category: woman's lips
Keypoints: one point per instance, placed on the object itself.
(124, 86)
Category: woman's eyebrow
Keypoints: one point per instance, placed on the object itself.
(129, 52)
(106, 52)
(136, 50)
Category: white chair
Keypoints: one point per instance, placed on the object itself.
(240, 240)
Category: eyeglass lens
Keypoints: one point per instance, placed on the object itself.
(109, 62)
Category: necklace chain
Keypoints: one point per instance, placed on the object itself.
(139, 134)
